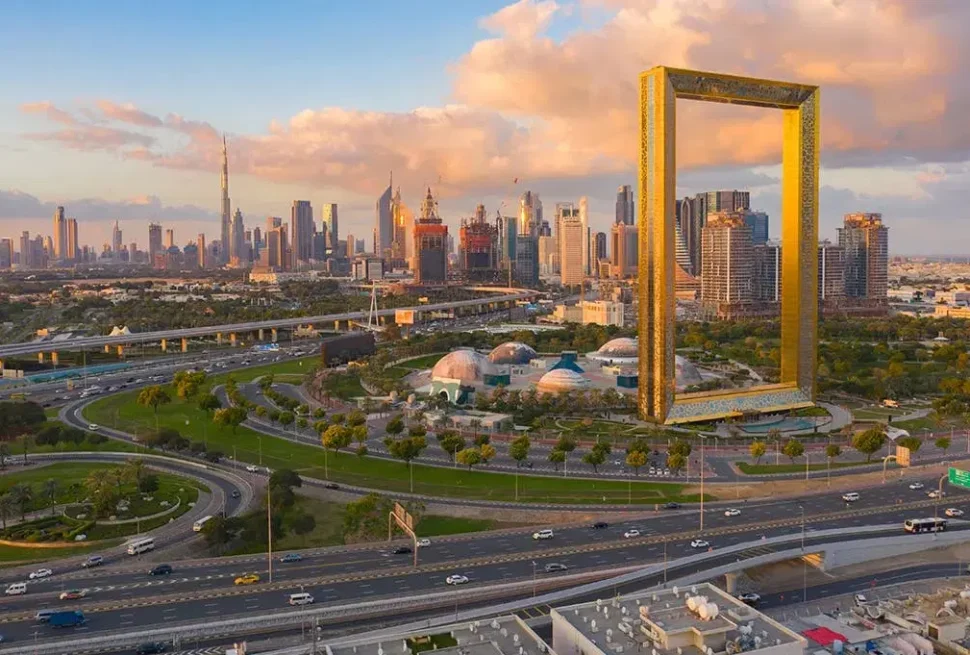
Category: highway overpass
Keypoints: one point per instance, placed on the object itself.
(490, 303)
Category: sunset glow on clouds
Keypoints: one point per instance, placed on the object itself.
(526, 104)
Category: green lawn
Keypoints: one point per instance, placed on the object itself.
(768, 469)
(812, 411)
(15, 555)
(120, 411)
(421, 363)
(345, 386)
(917, 425)
(289, 367)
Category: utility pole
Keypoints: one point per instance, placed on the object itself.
(702, 482)
(269, 531)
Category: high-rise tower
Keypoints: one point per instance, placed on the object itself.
(116, 239)
(60, 235)
(384, 229)
(225, 235)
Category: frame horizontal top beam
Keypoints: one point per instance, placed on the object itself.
(733, 89)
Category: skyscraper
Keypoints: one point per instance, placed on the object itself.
(73, 253)
(758, 222)
(155, 242)
(866, 243)
(624, 206)
(301, 231)
(384, 227)
(399, 222)
(329, 217)
(200, 247)
(530, 214)
(507, 234)
(430, 244)
(599, 248)
(116, 240)
(571, 251)
(6, 253)
(60, 234)
(237, 240)
(169, 238)
(351, 246)
(584, 237)
(527, 259)
(727, 259)
(831, 271)
(225, 235)
(565, 211)
(624, 250)
(478, 250)
(728, 201)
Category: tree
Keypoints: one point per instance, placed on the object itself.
(833, 450)
(913, 443)
(417, 431)
(22, 495)
(594, 458)
(336, 437)
(50, 490)
(793, 448)
(219, 531)
(758, 450)
(134, 471)
(319, 413)
(273, 415)
(7, 503)
(943, 443)
(231, 417)
(303, 523)
(451, 442)
(286, 418)
(519, 449)
(680, 447)
(302, 409)
(359, 434)
(4, 454)
(18, 418)
(153, 397)
(635, 459)
(361, 450)
(406, 449)
(395, 426)
(149, 483)
(482, 439)
(469, 457)
(301, 422)
(266, 382)
(676, 461)
(356, 418)
(487, 452)
(209, 403)
(557, 457)
(287, 478)
(869, 442)
(187, 383)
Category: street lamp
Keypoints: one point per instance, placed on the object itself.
(804, 561)
(702, 481)
(533, 578)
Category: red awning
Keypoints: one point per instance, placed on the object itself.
(824, 636)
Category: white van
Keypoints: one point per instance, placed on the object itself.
(301, 599)
(17, 589)
(542, 534)
(850, 497)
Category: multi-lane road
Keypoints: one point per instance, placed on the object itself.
(122, 594)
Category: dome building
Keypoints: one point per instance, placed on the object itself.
(457, 375)
(622, 350)
(512, 352)
(686, 372)
(561, 380)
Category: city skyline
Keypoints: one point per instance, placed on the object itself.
(116, 150)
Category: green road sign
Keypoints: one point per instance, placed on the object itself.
(959, 478)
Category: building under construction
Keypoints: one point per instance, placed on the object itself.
(430, 245)
(478, 254)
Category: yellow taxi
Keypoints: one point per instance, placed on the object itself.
(249, 578)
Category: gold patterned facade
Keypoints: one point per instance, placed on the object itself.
(660, 87)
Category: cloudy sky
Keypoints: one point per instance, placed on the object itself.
(116, 109)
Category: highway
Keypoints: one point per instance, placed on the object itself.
(123, 595)
(83, 343)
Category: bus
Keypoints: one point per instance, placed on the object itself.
(916, 526)
(141, 546)
(197, 526)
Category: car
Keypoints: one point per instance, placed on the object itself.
(249, 578)
(953, 512)
(73, 594)
(732, 511)
(94, 560)
(916, 485)
(252, 468)
(235, 493)
(424, 542)
(402, 550)
(150, 648)
(292, 557)
(554, 567)
(850, 497)
(699, 543)
(40, 573)
(600, 525)
(936, 493)
(543, 534)
(750, 598)
(456, 579)
(631, 533)
(331, 485)
(94, 427)
(671, 506)
(161, 569)
(860, 599)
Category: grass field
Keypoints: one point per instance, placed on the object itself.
(15, 555)
(120, 411)
(768, 469)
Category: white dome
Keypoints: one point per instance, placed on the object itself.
(465, 365)
(512, 352)
(686, 372)
(561, 379)
(619, 347)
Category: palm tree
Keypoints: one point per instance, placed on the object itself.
(22, 495)
(51, 487)
(4, 453)
(135, 471)
(6, 506)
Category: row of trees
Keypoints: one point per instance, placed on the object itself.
(867, 442)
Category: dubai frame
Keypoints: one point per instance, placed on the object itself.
(660, 87)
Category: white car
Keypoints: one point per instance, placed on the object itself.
(953, 512)
(94, 427)
(424, 542)
(629, 534)
(850, 497)
(750, 598)
(543, 534)
(860, 599)
(252, 468)
(732, 511)
(456, 579)
(40, 573)
(936, 493)
(916, 485)
(699, 543)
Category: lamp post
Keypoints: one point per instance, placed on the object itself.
(533, 578)
(702, 482)
(939, 497)
(804, 561)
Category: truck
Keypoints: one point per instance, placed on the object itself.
(68, 619)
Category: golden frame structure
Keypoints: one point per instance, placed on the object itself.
(660, 87)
